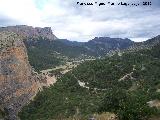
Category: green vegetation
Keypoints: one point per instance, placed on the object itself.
(45, 54)
(42, 56)
(119, 84)
(2, 114)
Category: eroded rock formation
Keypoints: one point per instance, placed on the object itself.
(31, 32)
(18, 82)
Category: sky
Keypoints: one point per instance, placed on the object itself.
(72, 21)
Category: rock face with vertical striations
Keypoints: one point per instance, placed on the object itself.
(18, 82)
(31, 32)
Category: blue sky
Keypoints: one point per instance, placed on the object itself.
(82, 23)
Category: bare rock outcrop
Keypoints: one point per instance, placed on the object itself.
(31, 32)
(18, 83)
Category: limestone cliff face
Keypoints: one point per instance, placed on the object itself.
(18, 83)
(30, 32)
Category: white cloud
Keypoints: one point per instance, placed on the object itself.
(21, 10)
(83, 23)
(139, 39)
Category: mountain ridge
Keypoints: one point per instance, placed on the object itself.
(31, 32)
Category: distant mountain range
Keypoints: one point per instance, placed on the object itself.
(102, 45)
(52, 53)
(45, 50)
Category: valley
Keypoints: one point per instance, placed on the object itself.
(125, 84)
(46, 78)
(57, 72)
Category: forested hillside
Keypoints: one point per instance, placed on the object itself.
(2, 114)
(126, 84)
(44, 53)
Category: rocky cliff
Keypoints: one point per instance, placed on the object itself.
(31, 32)
(18, 82)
